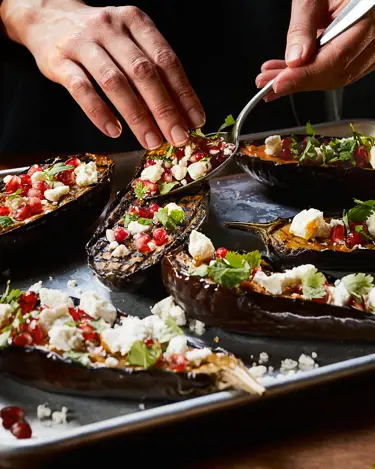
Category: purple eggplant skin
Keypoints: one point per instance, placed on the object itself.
(76, 215)
(131, 273)
(55, 374)
(307, 179)
(245, 311)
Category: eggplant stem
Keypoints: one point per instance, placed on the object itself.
(263, 229)
(239, 378)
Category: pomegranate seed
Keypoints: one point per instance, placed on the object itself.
(35, 193)
(12, 413)
(28, 301)
(141, 243)
(177, 362)
(73, 162)
(153, 208)
(25, 179)
(361, 156)
(121, 234)
(354, 238)
(152, 187)
(34, 169)
(25, 189)
(78, 314)
(198, 156)
(66, 177)
(88, 332)
(13, 185)
(36, 333)
(179, 152)
(221, 253)
(149, 342)
(41, 186)
(149, 163)
(22, 213)
(35, 205)
(286, 154)
(338, 233)
(143, 212)
(167, 176)
(23, 339)
(4, 211)
(286, 143)
(21, 430)
(160, 236)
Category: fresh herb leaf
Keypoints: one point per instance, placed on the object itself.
(4, 336)
(237, 260)
(200, 271)
(6, 221)
(142, 355)
(170, 151)
(313, 285)
(144, 221)
(171, 221)
(367, 141)
(358, 284)
(78, 357)
(197, 133)
(310, 151)
(360, 212)
(129, 217)
(165, 187)
(99, 325)
(15, 195)
(71, 324)
(229, 120)
(171, 323)
(223, 274)
(310, 130)
(141, 190)
(10, 297)
(360, 229)
(58, 168)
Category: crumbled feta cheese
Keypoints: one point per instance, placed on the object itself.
(65, 338)
(258, 371)
(120, 339)
(57, 184)
(198, 327)
(36, 287)
(214, 152)
(340, 295)
(273, 145)
(152, 173)
(172, 206)
(371, 300)
(372, 157)
(184, 182)
(86, 174)
(287, 365)
(152, 246)
(60, 417)
(228, 150)
(43, 411)
(200, 247)
(371, 224)
(54, 195)
(97, 307)
(157, 329)
(184, 162)
(276, 283)
(310, 224)
(134, 227)
(54, 298)
(15, 203)
(120, 251)
(72, 283)
(197, 170)
(197, 356)
(263, 357)
(49, 317)
(188, 150)
(305, 363)
(112, 246)
(176, 345)
(7, 179)
(167, 307)
(141, 406)
(111, 362)
(179, 172)
(335, 222)
(5, 314)
(314, 355)
(38, 176)
(110, 235)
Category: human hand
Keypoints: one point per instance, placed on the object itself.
(344, 60)
(122, 50)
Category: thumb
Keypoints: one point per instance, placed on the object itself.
(302, 33)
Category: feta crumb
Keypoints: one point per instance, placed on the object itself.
(198, 327)
(188, 150)
(372, 157)
(200, 247)
(111, 362)
(97, 307)
(120, 251)
(273, 145)
(142, 406)
(305, 363)
(179, 172)
(7, 179)
(110, 235)
(263, 358)
(339, 294)
(54, 195)
(43, 411)
(5, 314)
(275, 283)
(177, 345)
(287, 365)
(58, 315)
(38, 176)
(153, 173)
(112, 246)
(120, 339)
(86, 174)
(184, 162)
(310, 224)
(371, 224)
(60, 417)
(152, 245)
(54, 298)
(65, 338)
(197, 170)
(184, 182)
(314, 355)
(72, 283)
(167, 307)
(134, 227)
(258, 371)
(197, 356)
(172, 206)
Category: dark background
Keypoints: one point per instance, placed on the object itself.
(221, 45)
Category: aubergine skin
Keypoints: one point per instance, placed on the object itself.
(309, 179)
(130, 275)
(76, 214)
(254, 313)
(285, 257)
(32, 367)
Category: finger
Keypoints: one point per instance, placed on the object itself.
(263, 78)
(157, 49)
(361, 66)
(273, 64)
(328, 69)
(272, 96)
(301, 39)
(115, 85)
(75, 80)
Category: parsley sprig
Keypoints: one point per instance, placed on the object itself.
(173, 220)
(358, 284)
(359, 213)
(313, 285)
(6, 221)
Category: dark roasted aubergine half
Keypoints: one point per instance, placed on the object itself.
(310, 163)
(48, 199)
(137, 233)
(49, 341)
(232, 291)
(331, 243)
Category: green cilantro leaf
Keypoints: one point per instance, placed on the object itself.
(170, 151)
(197, 133)
(71, 324)
(58, 168)
(171, 221)
(141, 190)
(360, 212)
(171, 323)
(200, 271)
(15, 195)
(129, 217)
(367, 141)
(237, 260)
(99, 325)
(10, 297)
(165, 187)
(313, 285)
(6, 221)
(310, 130)
(358, 284)
(229, 120)
(4, 336)
(361, 230)
(223, 274)
(310, 151)
(78, 357)
(142, 355)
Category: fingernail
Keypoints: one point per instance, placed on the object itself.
(283, 87)
(153, 140)
(197, 118)
(294, 53)
(260, 84)
(113, 130)
(179, 135)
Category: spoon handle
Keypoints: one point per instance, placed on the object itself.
(349, 15)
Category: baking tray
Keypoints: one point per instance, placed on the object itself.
(235, 196)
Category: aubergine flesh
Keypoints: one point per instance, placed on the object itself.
(234, 297)
(54, 343)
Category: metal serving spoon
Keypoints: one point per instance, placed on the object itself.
(349, 15)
